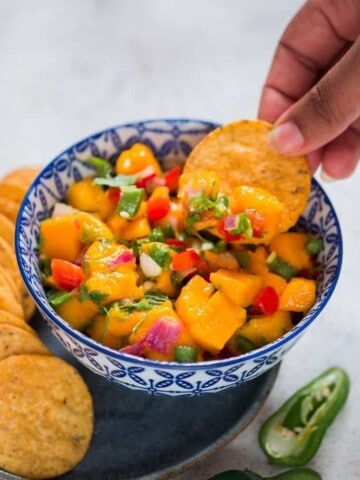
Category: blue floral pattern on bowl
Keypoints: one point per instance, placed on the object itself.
(171, 140)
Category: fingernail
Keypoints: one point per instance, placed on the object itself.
(286, 138)
(326, 177)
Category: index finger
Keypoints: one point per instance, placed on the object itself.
(313, 39)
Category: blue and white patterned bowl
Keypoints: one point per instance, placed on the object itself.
(171, 140)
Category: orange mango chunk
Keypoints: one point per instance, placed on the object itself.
(221, 260)
(298, 295)
(136, 159)
(99, 331)
(115, 285)
(76, 230)
(101, 257)
(239, 287)
(258, 258)
(85, 195)
(256, 199)
(220, 321)
(78, 314)
(275, 281)
(290, 246)
(193, 298)
(263, 330)
(121, 323)
(165, 309)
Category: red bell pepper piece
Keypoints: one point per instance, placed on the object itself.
(267, 302)
(147, 175)
(157, 208)
(257, 222)
(176, 243)
(183, 261)
(172, 179)
(114, 195)
(66, 275)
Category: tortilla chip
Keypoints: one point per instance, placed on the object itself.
(16, 341)
(239, 153)
(8, 300)
(8, 261)
(46, 416)
(15, 184)
(10, 319)
(9, 208)
(28, 305)
(7, 230)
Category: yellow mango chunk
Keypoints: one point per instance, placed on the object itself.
(196, 182)
(53, 231)
(101, 257)
(258, 258)
(98, 330)
(137, 228)
(257, 200)
(298, 295)
(85, 195)
(136, 159)
(221, 260)
(64, 237)
(121, 323)
(239, 287)
(115, 285)
(78, 314)
(164, 284)
(165, 309)
(220, 321)
(190, 304)
(263, 330)
(290, 246)
(275, 281)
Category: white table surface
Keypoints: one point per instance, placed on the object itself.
(72, 67)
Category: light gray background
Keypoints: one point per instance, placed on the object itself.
(69, 68)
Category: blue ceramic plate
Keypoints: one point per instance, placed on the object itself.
(138, 436)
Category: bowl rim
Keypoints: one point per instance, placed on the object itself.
(119, 355)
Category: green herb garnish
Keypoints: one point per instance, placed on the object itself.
(95, 295)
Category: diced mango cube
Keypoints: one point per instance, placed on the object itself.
(263, 330)
(298, 295)
(78, 314)
(275, 281)
(99, 331)
(239, 287)
(219, 322)
(290, 246)
(115, 286)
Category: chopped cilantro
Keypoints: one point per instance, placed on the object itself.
(95, 295)
(148, 302)
(45, 267)
(201, 203)
(160, 254)
(57, 298)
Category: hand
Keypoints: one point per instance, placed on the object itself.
(313, 88)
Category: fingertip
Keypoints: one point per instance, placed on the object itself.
(341, 156)
(314, 160)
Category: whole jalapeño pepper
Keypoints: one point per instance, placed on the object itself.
(294, 474)
(293, 434)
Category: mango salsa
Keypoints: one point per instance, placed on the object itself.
(166, 266)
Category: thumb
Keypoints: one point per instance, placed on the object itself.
(324, 112)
